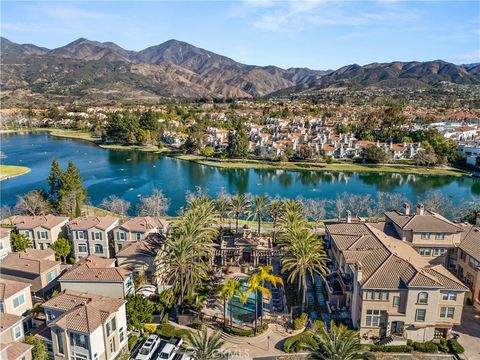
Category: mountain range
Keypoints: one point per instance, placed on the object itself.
(103, 72)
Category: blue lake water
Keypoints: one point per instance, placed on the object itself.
(130, 174)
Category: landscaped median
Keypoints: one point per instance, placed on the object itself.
(10, 171)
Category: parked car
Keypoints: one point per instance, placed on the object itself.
(148, 349)
(169, 350)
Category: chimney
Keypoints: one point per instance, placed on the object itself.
(349, 216)
(406, 206)
(420, 209)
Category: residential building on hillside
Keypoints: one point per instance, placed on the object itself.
(390, 291)
(433, 236)
(138, 228)
(468, 262)
(91, 235)
(98, 276)
(471, 150)
(86, 326)
(139, 257)
(35, 267)
(5, 247)
(41, 230)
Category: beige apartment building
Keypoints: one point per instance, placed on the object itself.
(16, 351)
(468, 262)
(137, 228)
(86, 326)
(390, 291)
(35, 267)
(432, 235)
(99, 276)
(92, 235)
(42, 230)
(5, 247)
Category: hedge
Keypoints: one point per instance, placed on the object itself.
(300, 322)
(299, 342)
(443, 346)
(167, 331)
(426, 347)
(455, 347)
(391, 348)
(245, 332)
(132, 341)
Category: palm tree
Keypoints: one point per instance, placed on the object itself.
(339, 343)
(259, 208)
(229, 290)
(223, 207)
(275, 209)
(202, 346)
(240, 205)
(256, 283)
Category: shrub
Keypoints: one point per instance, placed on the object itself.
(318, 325)
(300, 322)
(132, 341)
(455, 347)
(167, 331)
(246, 332)
(427, 347)
(443, 346)
(299, 342)
(150, 328)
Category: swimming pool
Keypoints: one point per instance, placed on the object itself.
(243, 313)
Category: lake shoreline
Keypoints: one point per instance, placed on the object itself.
(252, 164)
(13, 171)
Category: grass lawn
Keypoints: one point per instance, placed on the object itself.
(9, 171)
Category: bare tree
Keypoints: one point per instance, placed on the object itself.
(154, 205)
(340, 205)
(438, 202)
(313, 209)
(7, 212)
(115, 205)
(359, 204)
(32, 203)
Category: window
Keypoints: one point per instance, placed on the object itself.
(42, 235)
(97, 235)
(122, 235)
(373, 318)
(26, 233)
(396, 301)
(2, 307)
(79, 340)
(60, 342)
(138, 236)
(425, 251)
(439, 236)
(112, 345)
(1, 245)
(111, 327)
(98, 249)
(51, 275)
(119, 247)
(19, 300)
(447, 312)
(469, 279)
(473, 263)
(121, 334)
(40, 246)
(425, 236)
(462, 255)
(17, 332)
(422, 298)
(439, 252)
(49, 315)
(80, 235)
(420, 315)
(82, 248)
(376, 295)
(451, 296)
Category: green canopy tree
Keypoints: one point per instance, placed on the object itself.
(19, 242)
(39, 351)
(202, 346)
(72, 191)
(54, 181)
(62, 248)
(139, 311)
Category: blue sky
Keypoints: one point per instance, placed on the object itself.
(315, 34)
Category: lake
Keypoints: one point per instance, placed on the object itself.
(131, 174)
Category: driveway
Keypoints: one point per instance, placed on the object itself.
(469, 332)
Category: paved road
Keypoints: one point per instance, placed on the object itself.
(469, 332)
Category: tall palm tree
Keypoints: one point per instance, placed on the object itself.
(223, 207)
(229, 290)
(256, 283)
(259, 209)
(275, 209)
(202, 346)
(240, 205)
(339, 343)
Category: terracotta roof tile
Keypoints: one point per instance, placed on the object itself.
(16, 350)
(95, 269)
(144, 224)
(31, 222)
(89, 222)
(471, 241)
(11, 287)
(9, 320)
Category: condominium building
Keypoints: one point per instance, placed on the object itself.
(138, 228)
(5, 247)
(91, 235)
(468, 262)
(389, 290)
(41, 230)
(86, 326)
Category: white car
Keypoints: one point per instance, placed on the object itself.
(148, 349)
(169, 350)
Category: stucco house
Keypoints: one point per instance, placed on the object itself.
(41, 230)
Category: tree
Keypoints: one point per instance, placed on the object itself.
(72, 191)
(275, 208)
(202, 346)
(229, 290)
(19, 242)
(207, 151)
(339, 343)
(62, 248)
(6, 212)
(373, 155)
(238, 142)
(223, 206)
(314, 209)
(425, 156)
(115, 205)
(340, 205)
(359, 204)
(154, 205)
(39, 351)
(240, 206)
(54, 181)
(139, 311)
(259, 209)
(32, 203)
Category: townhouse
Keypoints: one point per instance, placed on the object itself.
(92, 235)
(41, 230)
(35, 267)
(16, 351)
(137, 228)
(5, 247)
(468, 262)
(389, 290)
(86, 326)
(98, 276)
(16, 299)
(430, 234)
